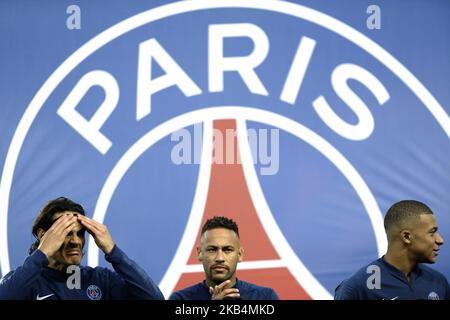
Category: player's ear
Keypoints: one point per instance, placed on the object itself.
(199, 254)
(405, 235)
(241, 254)
(40, 233)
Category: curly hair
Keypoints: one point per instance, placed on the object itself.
(220, 222)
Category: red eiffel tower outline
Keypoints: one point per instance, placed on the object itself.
(262, 264)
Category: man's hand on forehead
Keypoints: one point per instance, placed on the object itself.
(71, 216)
(54, 237)
(100, 232)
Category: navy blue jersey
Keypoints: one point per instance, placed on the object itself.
(425, 283)
(34, 280)
(247, 291)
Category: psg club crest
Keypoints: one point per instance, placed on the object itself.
(94, 292)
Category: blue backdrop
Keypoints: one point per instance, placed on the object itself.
(92, 93)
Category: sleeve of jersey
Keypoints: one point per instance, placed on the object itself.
(272, 295)
(131, 281)
(16, 284)
(346, 291)
(176, 296)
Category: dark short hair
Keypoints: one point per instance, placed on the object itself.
(402, 212)
(45, 218)
(220, 222)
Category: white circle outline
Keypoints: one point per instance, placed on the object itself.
(172, 9)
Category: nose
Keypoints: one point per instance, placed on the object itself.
(75, 239)
(439, 239)
(219, 256)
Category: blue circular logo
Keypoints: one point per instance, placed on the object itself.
(93, 292)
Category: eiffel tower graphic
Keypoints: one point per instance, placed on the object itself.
(232, 189)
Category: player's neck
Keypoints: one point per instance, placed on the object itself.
(53, 264)
(401, 261)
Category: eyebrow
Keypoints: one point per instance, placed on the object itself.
(223, 247)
